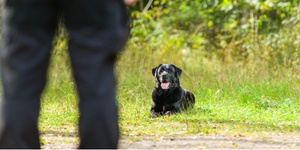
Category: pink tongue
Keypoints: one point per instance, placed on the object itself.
(165, 85)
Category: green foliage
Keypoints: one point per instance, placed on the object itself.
(264, 31)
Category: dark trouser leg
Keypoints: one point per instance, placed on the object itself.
(98, 124)
(24, 59)
(23, 71)
(94, 44)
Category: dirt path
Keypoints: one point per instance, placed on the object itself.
(189, 142)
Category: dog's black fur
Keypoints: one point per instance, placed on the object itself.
(168, 97)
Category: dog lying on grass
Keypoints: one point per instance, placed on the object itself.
(168, 97)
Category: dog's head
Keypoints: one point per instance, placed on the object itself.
(167, 76)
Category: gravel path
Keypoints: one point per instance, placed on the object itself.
(188, 142)
(214, 142)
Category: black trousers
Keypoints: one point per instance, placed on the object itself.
(97, 31)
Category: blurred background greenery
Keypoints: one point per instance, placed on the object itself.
(253, 33)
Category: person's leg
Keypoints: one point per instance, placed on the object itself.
(97, 31)
(98, 124)
(24, 57)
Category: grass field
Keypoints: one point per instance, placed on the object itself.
(231, 98)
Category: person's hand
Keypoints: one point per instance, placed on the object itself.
(130, 2)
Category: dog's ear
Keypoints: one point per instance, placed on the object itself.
(154, 69)
(177, 70)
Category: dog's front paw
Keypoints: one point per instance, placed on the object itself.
(171, 112)
(168, 113)
(155, 114)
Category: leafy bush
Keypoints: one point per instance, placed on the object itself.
(256, 32)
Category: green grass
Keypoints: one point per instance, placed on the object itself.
(59, 111)
(244, 107)
(231, 99)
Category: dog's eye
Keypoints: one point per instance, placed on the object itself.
(169, 70)
(161, 70)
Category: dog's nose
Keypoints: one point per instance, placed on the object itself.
(164, 76)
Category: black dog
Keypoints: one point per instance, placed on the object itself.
(168, 97)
